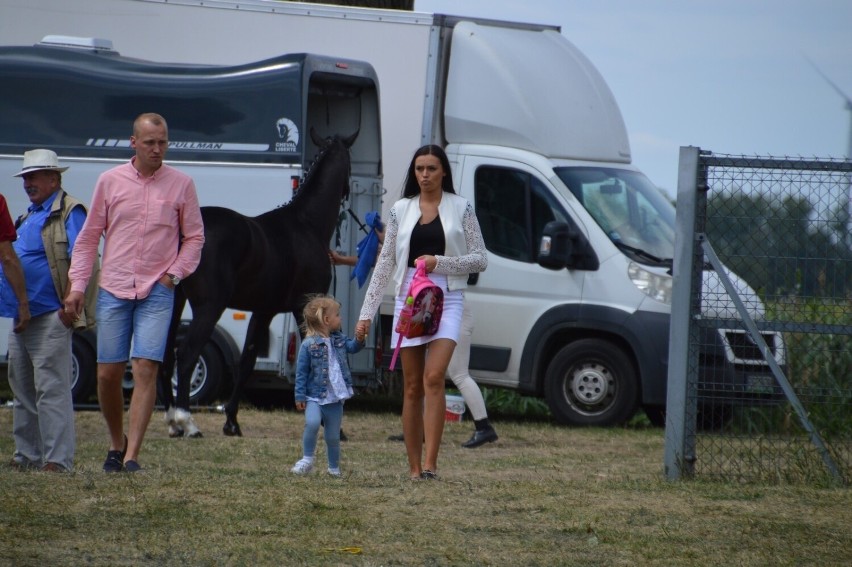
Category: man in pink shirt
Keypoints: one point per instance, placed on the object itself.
(149, 217)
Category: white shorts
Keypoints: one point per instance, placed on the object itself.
(451, 317)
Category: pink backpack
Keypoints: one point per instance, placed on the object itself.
(421, 314)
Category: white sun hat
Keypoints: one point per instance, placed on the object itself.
(36, 160)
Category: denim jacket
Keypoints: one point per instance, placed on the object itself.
(312, 365)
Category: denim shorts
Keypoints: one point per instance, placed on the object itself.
(145, 321)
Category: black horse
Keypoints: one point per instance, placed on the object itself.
(266, 264)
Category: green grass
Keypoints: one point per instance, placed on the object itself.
(542, 495)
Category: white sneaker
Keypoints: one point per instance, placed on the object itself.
(334, 472)
(302, 466)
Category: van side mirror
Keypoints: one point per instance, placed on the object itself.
(556, 248)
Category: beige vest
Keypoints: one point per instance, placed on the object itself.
(55, 240)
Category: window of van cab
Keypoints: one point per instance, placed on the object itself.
(513, 207)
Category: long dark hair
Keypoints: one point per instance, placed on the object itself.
(411, 187)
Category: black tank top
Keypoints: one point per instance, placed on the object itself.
(427, 239)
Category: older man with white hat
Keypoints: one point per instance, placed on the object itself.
(40, 355)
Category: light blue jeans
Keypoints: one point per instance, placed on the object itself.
(144, 323)
(331, 415)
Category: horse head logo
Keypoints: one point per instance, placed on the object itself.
(287, 130)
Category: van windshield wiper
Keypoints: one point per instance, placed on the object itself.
(643, 254)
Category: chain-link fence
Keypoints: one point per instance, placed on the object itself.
(760, 363)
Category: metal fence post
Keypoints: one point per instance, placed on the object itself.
(679, 447)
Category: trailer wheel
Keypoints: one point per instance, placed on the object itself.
(84, 370)
(591, 382)
(207, 377)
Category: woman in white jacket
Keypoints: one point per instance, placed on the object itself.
(434, 224)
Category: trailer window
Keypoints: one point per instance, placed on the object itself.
(233, 116)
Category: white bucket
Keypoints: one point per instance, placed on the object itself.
(455, 408)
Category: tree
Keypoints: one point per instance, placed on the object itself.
(778, 246)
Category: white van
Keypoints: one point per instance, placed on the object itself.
(575, 304)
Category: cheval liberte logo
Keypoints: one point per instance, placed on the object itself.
(289, 134)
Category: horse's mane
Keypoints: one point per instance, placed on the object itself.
(309, 172)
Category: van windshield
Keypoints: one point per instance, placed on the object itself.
(628, 207)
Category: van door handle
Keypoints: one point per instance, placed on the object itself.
(472, 278)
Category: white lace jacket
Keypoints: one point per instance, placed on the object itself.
(461, 232)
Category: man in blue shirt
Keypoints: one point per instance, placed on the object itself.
(40, 355)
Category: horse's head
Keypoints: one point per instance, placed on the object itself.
(332, 159)
(325, 142)
(325, 185)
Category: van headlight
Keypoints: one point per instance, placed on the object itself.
(655, 286)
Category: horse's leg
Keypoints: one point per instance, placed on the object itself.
(197, 334)
(258, 330)
(168, 365)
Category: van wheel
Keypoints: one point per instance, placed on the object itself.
(83, 369)
(591, 382)
(207, 379)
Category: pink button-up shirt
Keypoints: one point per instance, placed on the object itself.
(152, 226)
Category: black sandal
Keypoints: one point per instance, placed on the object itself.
(429, 475)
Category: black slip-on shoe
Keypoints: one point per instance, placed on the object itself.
(113, 462)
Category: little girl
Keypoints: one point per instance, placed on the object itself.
(323, 380)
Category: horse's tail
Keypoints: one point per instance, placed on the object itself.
(167, 368)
